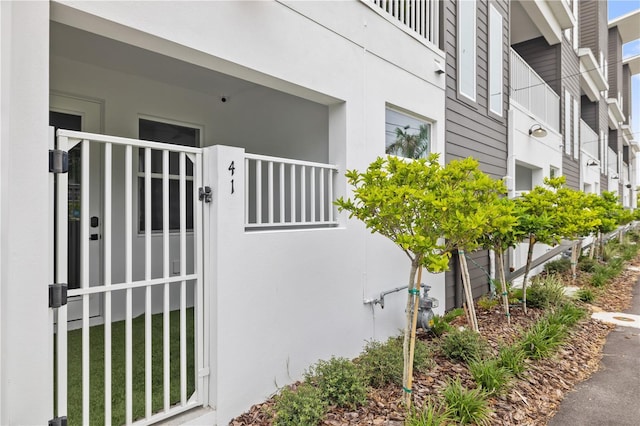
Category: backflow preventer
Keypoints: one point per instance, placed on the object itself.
(425, 305)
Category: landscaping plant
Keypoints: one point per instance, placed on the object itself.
(468, 406)
(432, 413)
(303, 406)
(340, 382)
(463, 345)
(490, 375)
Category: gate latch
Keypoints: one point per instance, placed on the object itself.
(205, 194)
(57, 296)
(58, 161)
(58, 421)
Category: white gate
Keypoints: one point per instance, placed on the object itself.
(141, 360)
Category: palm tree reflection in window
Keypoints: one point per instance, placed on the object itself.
(411, 144)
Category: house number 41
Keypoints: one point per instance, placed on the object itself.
(232, 169)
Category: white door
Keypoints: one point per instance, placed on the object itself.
(75, 113)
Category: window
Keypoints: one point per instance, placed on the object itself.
(406, 136)
(567, 122)
(554, 172)
(173, 134)
(495, 61)
(576, 123)
(467, 48)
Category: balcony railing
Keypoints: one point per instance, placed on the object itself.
(420, 16)
(625, 173)
(530, 91)
(612, 162)
(285, 193)
(589, 140)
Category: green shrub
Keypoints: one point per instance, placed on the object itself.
(585, 295)
(465, 345)
(568, 314)
(453, 314)
(340, 382)
(599, 278)
(557, 266)
(439, 326)
(382, 363)
(586, 264)
(516, 295)
(489, 375)
(545, 292)
(512, 358)
(542, 339)
(301, 407)
(432, 413)
(487, 303)
(467, 405)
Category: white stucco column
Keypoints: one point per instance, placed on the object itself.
(26, 374)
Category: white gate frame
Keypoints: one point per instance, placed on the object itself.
(65, 141)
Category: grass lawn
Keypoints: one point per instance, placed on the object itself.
(96, 339)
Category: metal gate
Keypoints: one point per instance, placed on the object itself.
(140, 360)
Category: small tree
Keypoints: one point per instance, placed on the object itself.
(538, 221)
(502, 233)
(469, 204)
(400, 199)
(609, 212)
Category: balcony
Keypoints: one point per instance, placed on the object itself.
(549, 17)
(592, 80)
(530, 91)
(589, 141)
(420, 17)
(612, 162)
(616, 115)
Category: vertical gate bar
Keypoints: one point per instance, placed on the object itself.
(293, 193)
(165, 264)
(322, 198)
(106, 231)
(128, 159)
(51, 267)
(436, 23)
(183, 284)
(270, 190)
(303, 195)
(258, 191)
(312, 195)
(423, 17)
(330, 194)
(147, 276)
(281, 193)
(84, 276)
(62, 206)
(198, 315)
(246, 191)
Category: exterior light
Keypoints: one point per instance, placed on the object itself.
(592, 163)
(537, 131)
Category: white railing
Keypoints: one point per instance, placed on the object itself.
(589, 141)
(132, 274)
(420, 16)
(612, 160)
(625, 173)
(530, 91)
(288, 193)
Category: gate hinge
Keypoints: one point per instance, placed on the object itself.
(58, 421)
(58, 161)
(57, 298)
(205, 194)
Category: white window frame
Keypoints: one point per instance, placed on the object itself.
(576, 131)
(466, 41)
(410, 119)
(567, 122)
(496, 60)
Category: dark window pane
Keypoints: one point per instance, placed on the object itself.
(157, 205)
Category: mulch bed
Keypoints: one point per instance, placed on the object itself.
(530, 400)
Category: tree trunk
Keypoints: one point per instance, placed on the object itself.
(412, 343)
(574, 260)
(527, 269)
(466, 283)
(503, 283)
(408, 329)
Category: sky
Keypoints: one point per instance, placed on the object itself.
(618, 8)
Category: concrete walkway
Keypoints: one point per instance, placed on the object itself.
(612, 395)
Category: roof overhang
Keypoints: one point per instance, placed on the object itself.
(550, 17)
(628, 26)
(627, 134)
(591, 79)
(615, 113)
(635, 145)
(634, 64)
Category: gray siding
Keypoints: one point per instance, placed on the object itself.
(570, 77)
(471, 129)
(590, 113)
(615, 62)
(626, 92)
(544, 59)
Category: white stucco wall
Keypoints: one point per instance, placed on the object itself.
(25, 325)
(279, 300)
